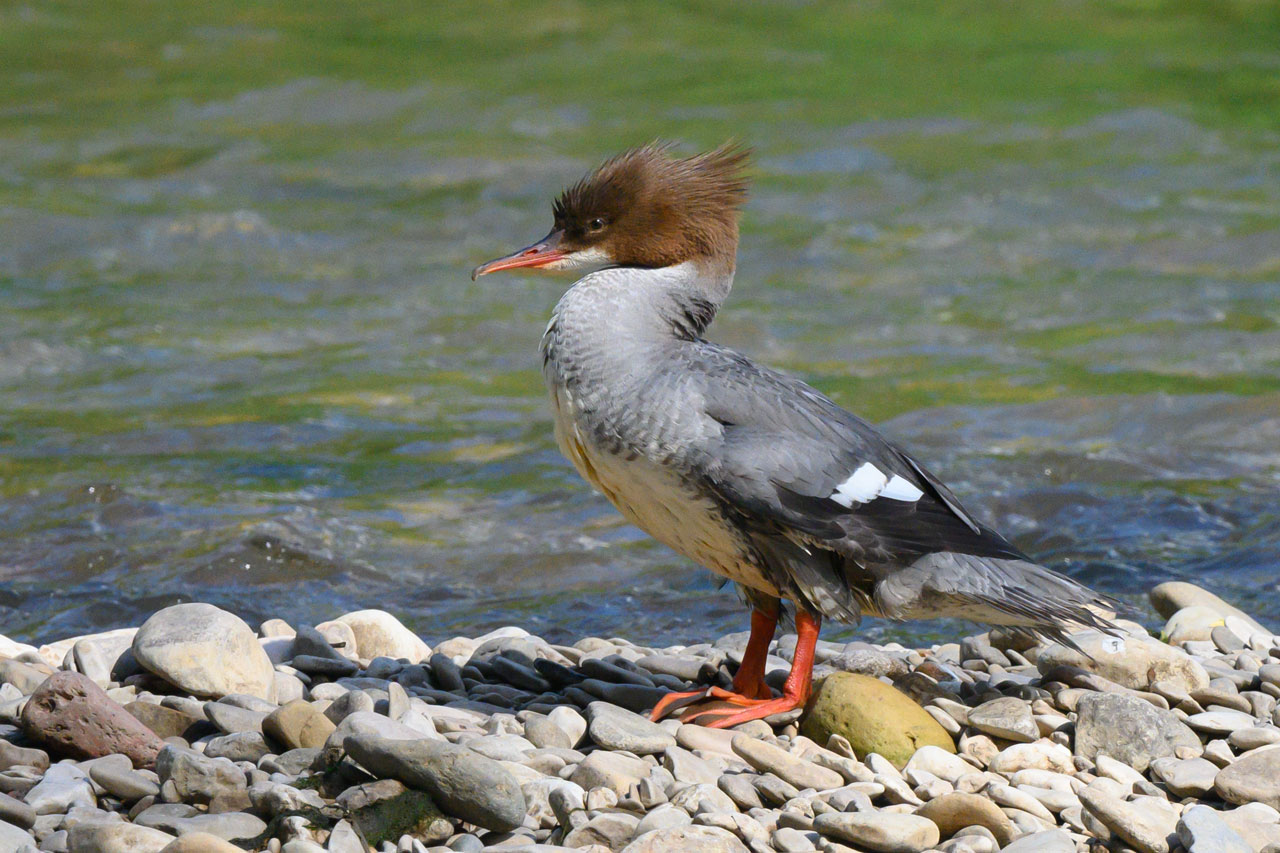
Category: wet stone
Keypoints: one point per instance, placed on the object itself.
(632, 697)
(446, 673)
(608, 671)
(518, 675)
(689, 669)
(325, 667)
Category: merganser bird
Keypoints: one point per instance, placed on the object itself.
(744, 470)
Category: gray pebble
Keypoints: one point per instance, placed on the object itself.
(619, 729)
(16, 812)
(1201, 830)
(742, 790)
(773, 789)
(120, 780)
(543, 733)
(231, 718)
(238, 746)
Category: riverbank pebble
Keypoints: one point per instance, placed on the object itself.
(197, 733)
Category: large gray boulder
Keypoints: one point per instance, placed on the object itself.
(205, 651)
(1129, 729)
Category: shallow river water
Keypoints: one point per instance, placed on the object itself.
(241, 360)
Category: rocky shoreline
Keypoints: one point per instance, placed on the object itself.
(194, 732)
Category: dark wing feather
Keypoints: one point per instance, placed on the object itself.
(782, 450)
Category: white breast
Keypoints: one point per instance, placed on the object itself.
(653, 498)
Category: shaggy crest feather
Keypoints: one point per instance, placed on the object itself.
(659, 209)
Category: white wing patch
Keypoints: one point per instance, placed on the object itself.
(863, 485)
(900, 489)
(869, 482)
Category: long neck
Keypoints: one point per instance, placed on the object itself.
(631, 305)
(610, 344)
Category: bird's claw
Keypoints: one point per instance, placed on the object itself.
(676, 701)
(718, 697)
(756, 709)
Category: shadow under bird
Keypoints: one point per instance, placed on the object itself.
(747, 471)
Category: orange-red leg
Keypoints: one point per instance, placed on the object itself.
(795, 691)
(749, 679)
(748, 682)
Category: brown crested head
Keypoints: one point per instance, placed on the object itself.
(645, 208)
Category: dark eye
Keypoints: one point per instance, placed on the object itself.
(595, 224)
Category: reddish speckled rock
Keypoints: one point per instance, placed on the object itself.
(72, 716)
